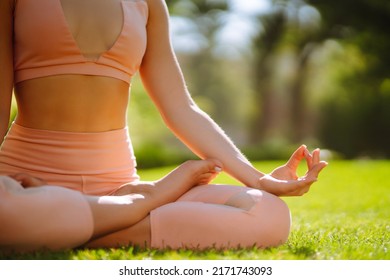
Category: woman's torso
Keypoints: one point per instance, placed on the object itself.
(77, 102)
(72, 103)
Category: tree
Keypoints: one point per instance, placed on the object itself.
(355, 118)
(264, 47)
(284, 31)
(205, 71)
(362, 126)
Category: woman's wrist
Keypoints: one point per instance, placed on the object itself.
(246, 174)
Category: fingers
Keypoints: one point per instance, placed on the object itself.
(22, 178)
(296, 157)
(316, 165)
(303, 153)
(316, 156)
(309, 159)
(302, 185)
(313, 173)
(213, 165)
(215, 168)
(313, 159)
(299, 191)
(27, 180)
(296, 186)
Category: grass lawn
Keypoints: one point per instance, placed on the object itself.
(345, 216)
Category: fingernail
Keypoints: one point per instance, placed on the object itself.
(218, 169)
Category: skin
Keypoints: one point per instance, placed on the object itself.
(81, 103)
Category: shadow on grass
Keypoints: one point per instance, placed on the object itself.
(136, 253)
(303, 251)
(40, 255)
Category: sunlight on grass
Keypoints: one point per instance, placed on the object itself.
(345, 216)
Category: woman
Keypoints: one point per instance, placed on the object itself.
(70, 63)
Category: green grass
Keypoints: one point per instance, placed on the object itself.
(346, 215)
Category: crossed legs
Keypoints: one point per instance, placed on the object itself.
(57, 218)
(180, 215)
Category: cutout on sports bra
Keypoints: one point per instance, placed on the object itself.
(86, 37)
(95, 25)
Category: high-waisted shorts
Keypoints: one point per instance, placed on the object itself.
(92, 163)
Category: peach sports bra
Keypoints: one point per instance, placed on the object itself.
(45, 46)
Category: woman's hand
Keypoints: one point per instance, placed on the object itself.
(284, 180)
(27, 181)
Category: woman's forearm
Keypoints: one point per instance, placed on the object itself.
(207, 140)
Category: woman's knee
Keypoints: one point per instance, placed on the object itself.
(245, 199)
(7, 209)
(7, 196)
(274, 220)
(271, 218)
(63, 218)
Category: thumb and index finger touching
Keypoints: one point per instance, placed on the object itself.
(314, 164)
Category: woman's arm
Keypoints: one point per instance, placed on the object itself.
(163, 79)
(165, 84)
(6, 64)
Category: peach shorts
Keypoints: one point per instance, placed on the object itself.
(92, 163)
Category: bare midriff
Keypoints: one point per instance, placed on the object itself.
(74, 103)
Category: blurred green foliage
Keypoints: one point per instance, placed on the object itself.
(356, 115)
(315, 72)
